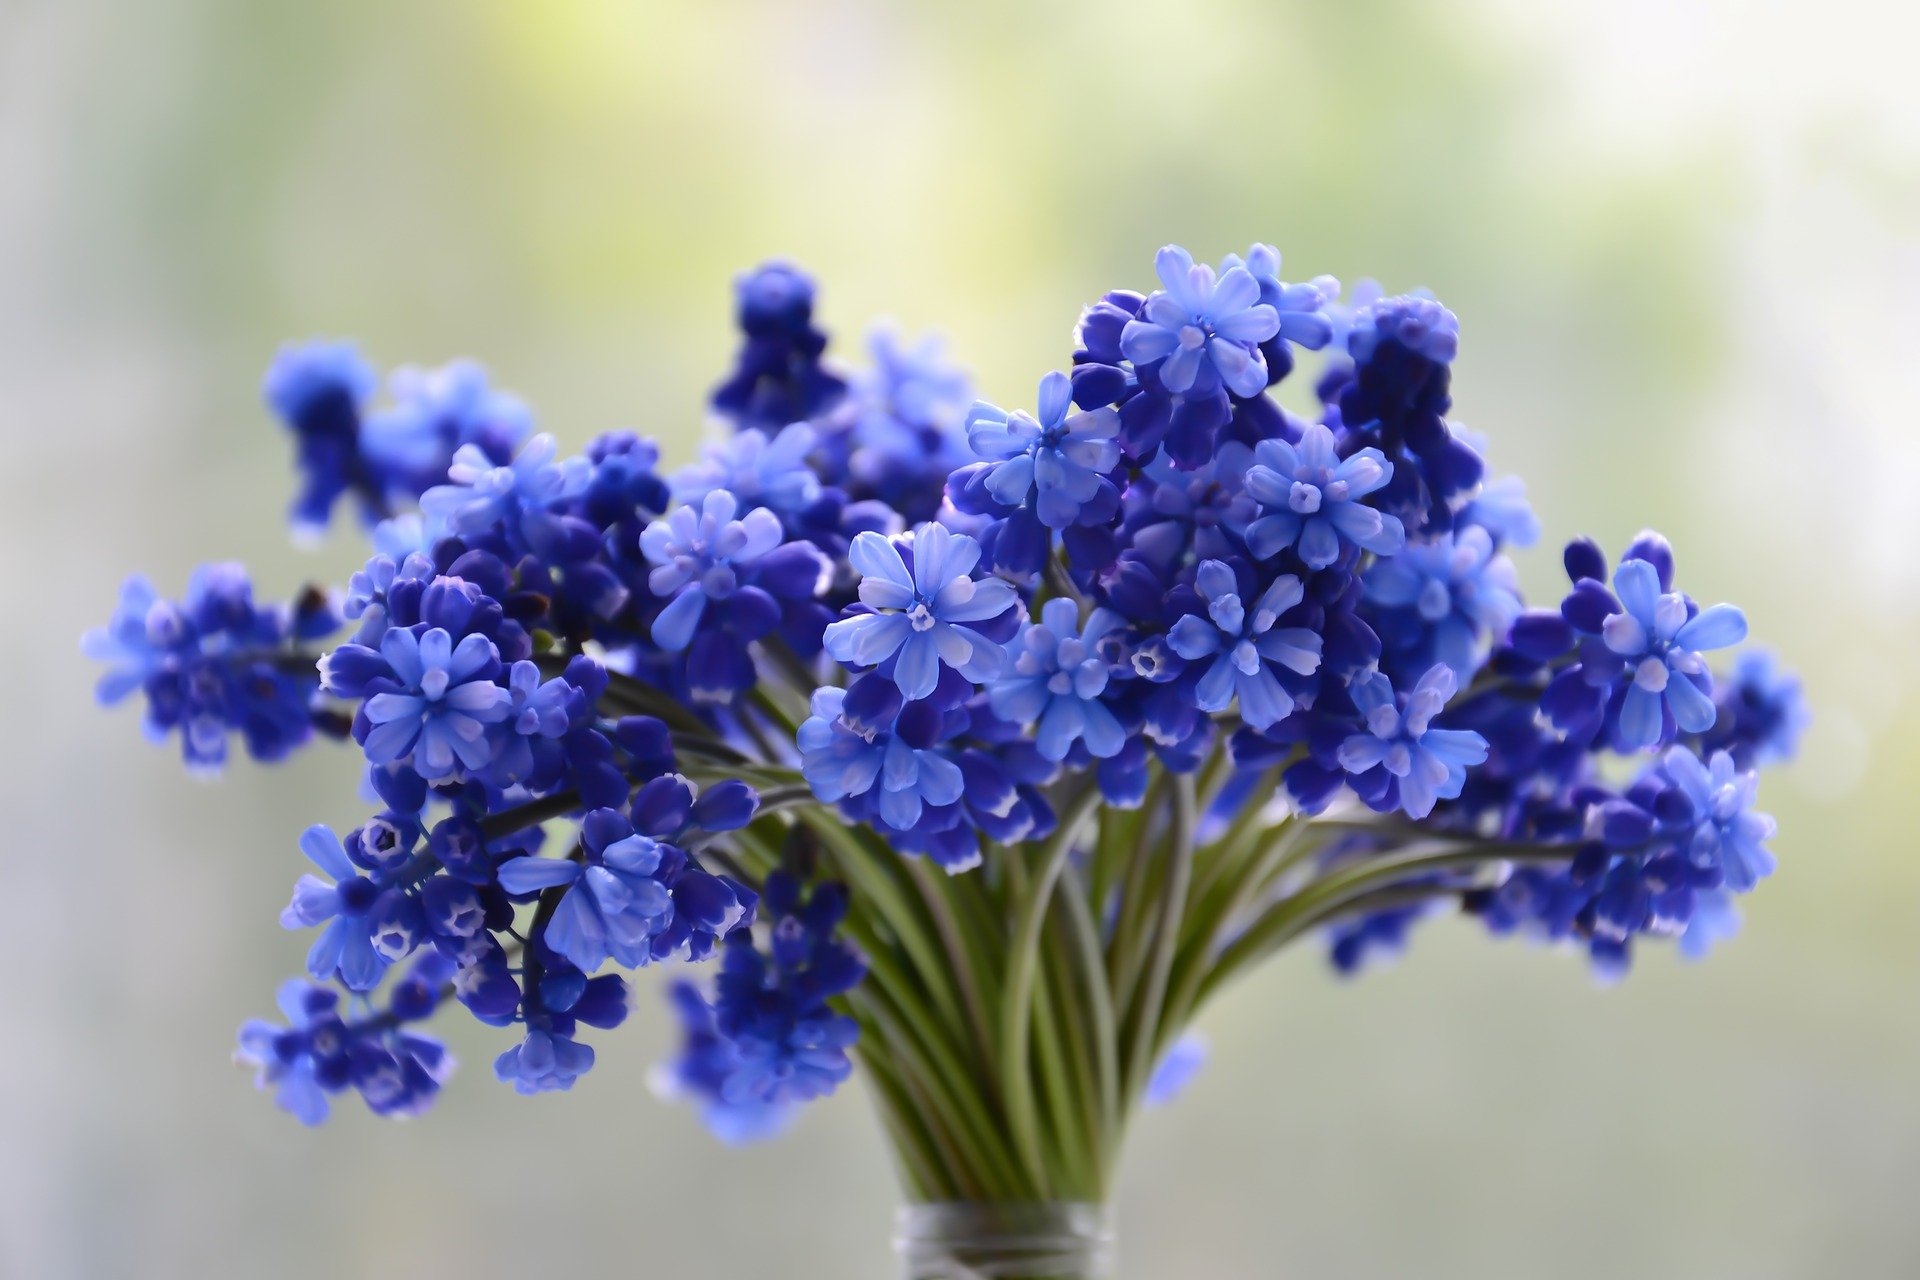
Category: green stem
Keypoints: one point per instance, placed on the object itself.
(1016, 1080)
(1298, 911)
(1099, 1001)
(1144, 1022)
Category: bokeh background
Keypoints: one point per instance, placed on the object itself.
(1684, 241)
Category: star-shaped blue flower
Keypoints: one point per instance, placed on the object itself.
(1245, 645)
(929, 617)
(1059, 675)
(1429, 764)
(1055, 462)
(1206, 330)
(1309, 497)
(1661, 647)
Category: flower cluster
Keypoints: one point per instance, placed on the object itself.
(215, 664)
(603, 707)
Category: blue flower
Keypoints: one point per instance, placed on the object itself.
(842, 761)
(289, 1057)
(349, 907)
(213, 664)
(440, 701)
(1309, 497)
(706, 1065)
(1206, 331)
(778, 376)
(911, 399)
(1245, 645)
(1177, 1068)
(1660, 640)
(1715, 919)
(1446, 599)
(1428, 764)
(698, 555)
(1301, 307)
(437, 412)
(616, 898)
(545, 1061)
(758, 470)
(1055, 463)
(1722, 831)
(320, 390)
(1059, 675)
(481, 493)
(537, 712)
(1396, 395)
(931, 617)
(1762, 711)
(791, 1045)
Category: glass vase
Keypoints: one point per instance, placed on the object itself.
(986, 1241)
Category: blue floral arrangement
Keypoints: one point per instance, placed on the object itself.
(978, 746)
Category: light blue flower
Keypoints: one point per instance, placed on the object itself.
(1055, 462)
(1727, 833)
(1462, 592)
(1309, 497)
(1207, 331)
(929, 617)
(480, 494)
(445, 701)
(434, 412)
(1245, 645)
(345, 947)
(1058, 677)
(545, 1061)
(911, 400)
(697, 553)
(759, 470)
(1430, 764)
(1661, 647)
(617, 897)
(1178, 1067)
(286, 1057)
(841, 763)
(1302, 307)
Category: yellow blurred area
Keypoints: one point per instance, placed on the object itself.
(1683, 239)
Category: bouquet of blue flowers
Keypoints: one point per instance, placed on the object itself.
(975, 746)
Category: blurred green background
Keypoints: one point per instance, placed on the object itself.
(1684, 242)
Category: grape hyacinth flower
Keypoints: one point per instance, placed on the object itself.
(1441, 600)
(1308, 497)
(1245, 645)
(544, 1062)
(435, 709)
(842, 761)
(792, 1045)
(319, 1053)
(1203, 332)
(615, 900)
(1660, 639)
(1427, 764)
(1640, 673)
(213, 664)
(1059, 674)
(1723, 830)
(1159, 677)
(924, 619)
(697, 558)
(320, 390)
(345, 948)
(759, 469)
(1055, 462)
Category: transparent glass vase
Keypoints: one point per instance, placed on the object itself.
(968, 1241)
